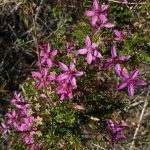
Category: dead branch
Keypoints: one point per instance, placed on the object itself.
(140, 121)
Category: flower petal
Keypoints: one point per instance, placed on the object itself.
(36, 74)
(73, 82)
(42, 53)
(103, 18)
(110, 124)
(120, 136)
(3, 125)
(122, 85)
(13, 113)
(9, 115)
(117, 33)
(44, 72)
(47, 48)
(88, 41)
(43, 59)
(124, 74)
(94, 45)
(131, 89)
(60, 90)
(140, 82)
(78, 73)
(43, 95)
(70, 95)
(51, 77)
(89, 13)
(135, 73)
(89, 58)
(39, 85)
(72, 66)
(97, 54)
(109, 25)
(82, 51)
(95, 5)
(62, 97)
(113, 51)
(49, 62)
(63, 76)
(117, 68)
(122, 58)
(117, 39)
(94, 20)
(63, 66)
(105, 7)
(54, 53)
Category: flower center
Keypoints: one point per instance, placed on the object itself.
(46, 55)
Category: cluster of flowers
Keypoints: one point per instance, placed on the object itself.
(21, 121)
(99, 19)
(66, 81)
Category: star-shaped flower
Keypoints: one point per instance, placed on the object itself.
(43, 77)
(46, 55)
(64, 89)
(97, 12)
(120, 35)
(114, 60)
(116, 131)
(70, 74)
(90, 50)
(130, 80)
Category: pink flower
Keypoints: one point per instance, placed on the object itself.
(70, 74)
(120, 35)
(5, 128)
(90, 50)
(97, 12)
(19, 102)
(114, 60)
(65, 96)
(43, 77)
(64, 89)
(99, 26)
(130, 80)
(116, 131)
(46, 55)
(24, 125)
(11, 117)
(69, 47)
(28, 137)
(20, 120)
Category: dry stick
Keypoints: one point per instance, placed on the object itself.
(136, 103)
(140, 121)
(36, 17)
(127, 2)
(99, 147)
(39, 9)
